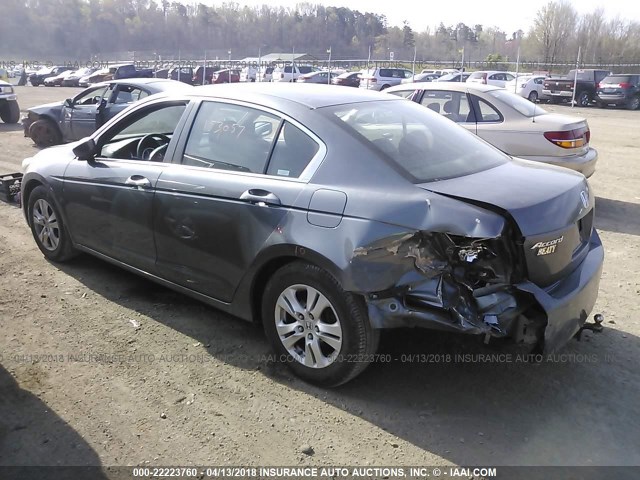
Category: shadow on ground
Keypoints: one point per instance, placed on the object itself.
(578, 408)
(33, 437)
(617, 216)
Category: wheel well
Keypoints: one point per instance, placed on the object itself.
(26, 192)
(261, 279)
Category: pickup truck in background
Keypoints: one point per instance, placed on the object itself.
(560, 89)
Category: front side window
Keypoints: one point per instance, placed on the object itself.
(143, 135)
(424, 147)
(231, 137)
(91, 97)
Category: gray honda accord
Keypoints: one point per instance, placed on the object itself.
(327, 215)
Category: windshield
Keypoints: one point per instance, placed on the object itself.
(449, 76)
(525, 107)
(424, 145)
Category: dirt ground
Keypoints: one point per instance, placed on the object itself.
(92, 358)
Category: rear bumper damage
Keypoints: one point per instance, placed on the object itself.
(433, 296)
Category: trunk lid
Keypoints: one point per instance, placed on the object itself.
(551, 206)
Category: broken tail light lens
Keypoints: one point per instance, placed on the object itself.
(576, 138)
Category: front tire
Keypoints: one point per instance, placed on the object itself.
(319, 330)
(44, 133)
(10, 112)
(48, 227)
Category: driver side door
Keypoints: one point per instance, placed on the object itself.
(79, 118)
(108, 200)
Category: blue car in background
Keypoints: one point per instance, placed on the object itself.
(80, 116)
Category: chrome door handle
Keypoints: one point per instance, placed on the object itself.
(259, 196)
(138, 181)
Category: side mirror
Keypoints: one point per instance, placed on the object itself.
(86, 150)
(68, 103)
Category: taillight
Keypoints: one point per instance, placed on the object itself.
(625, 85)
(570, 138)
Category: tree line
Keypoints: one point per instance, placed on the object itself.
(167, 29)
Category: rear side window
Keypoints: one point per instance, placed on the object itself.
(287, 69)
(385, 72)
(230, 137)
(486, 112)
(292, 153)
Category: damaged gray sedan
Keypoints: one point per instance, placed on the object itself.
(327, 215)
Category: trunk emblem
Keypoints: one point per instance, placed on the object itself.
(545, 248)
(584, 196)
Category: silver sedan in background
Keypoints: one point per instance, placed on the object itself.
(509, 122)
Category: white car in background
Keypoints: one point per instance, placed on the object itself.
(248, 74)
(290, 73)
(383, 78)
(491, 77)
(528, 86)
(509, 122)
(440, 72)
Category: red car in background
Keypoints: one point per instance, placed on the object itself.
(226, 76)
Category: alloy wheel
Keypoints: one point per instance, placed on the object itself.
(308, 326)
(46, 225)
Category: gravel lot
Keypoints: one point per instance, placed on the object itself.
(98, 366)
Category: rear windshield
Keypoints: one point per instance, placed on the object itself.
(615, 79)
(525, 107)
(305, 69)
(424, 145)
(582, 75)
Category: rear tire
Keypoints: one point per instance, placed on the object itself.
(329, 349)
(47, 226)
(384, 87)
(45, 133)
(583, 99)
(10, 112)
(634, 103)
(533, 96)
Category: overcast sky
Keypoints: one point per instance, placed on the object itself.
(509, 15)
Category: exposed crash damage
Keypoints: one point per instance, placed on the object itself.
(481, 286)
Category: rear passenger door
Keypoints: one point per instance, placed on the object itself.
(235, 176)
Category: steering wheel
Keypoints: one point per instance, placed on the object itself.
(157, 155)
(150, 142)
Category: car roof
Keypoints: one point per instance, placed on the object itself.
(159, 84)
(308, 95)
(455, 86)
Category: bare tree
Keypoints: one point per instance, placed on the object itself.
(553, 26)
